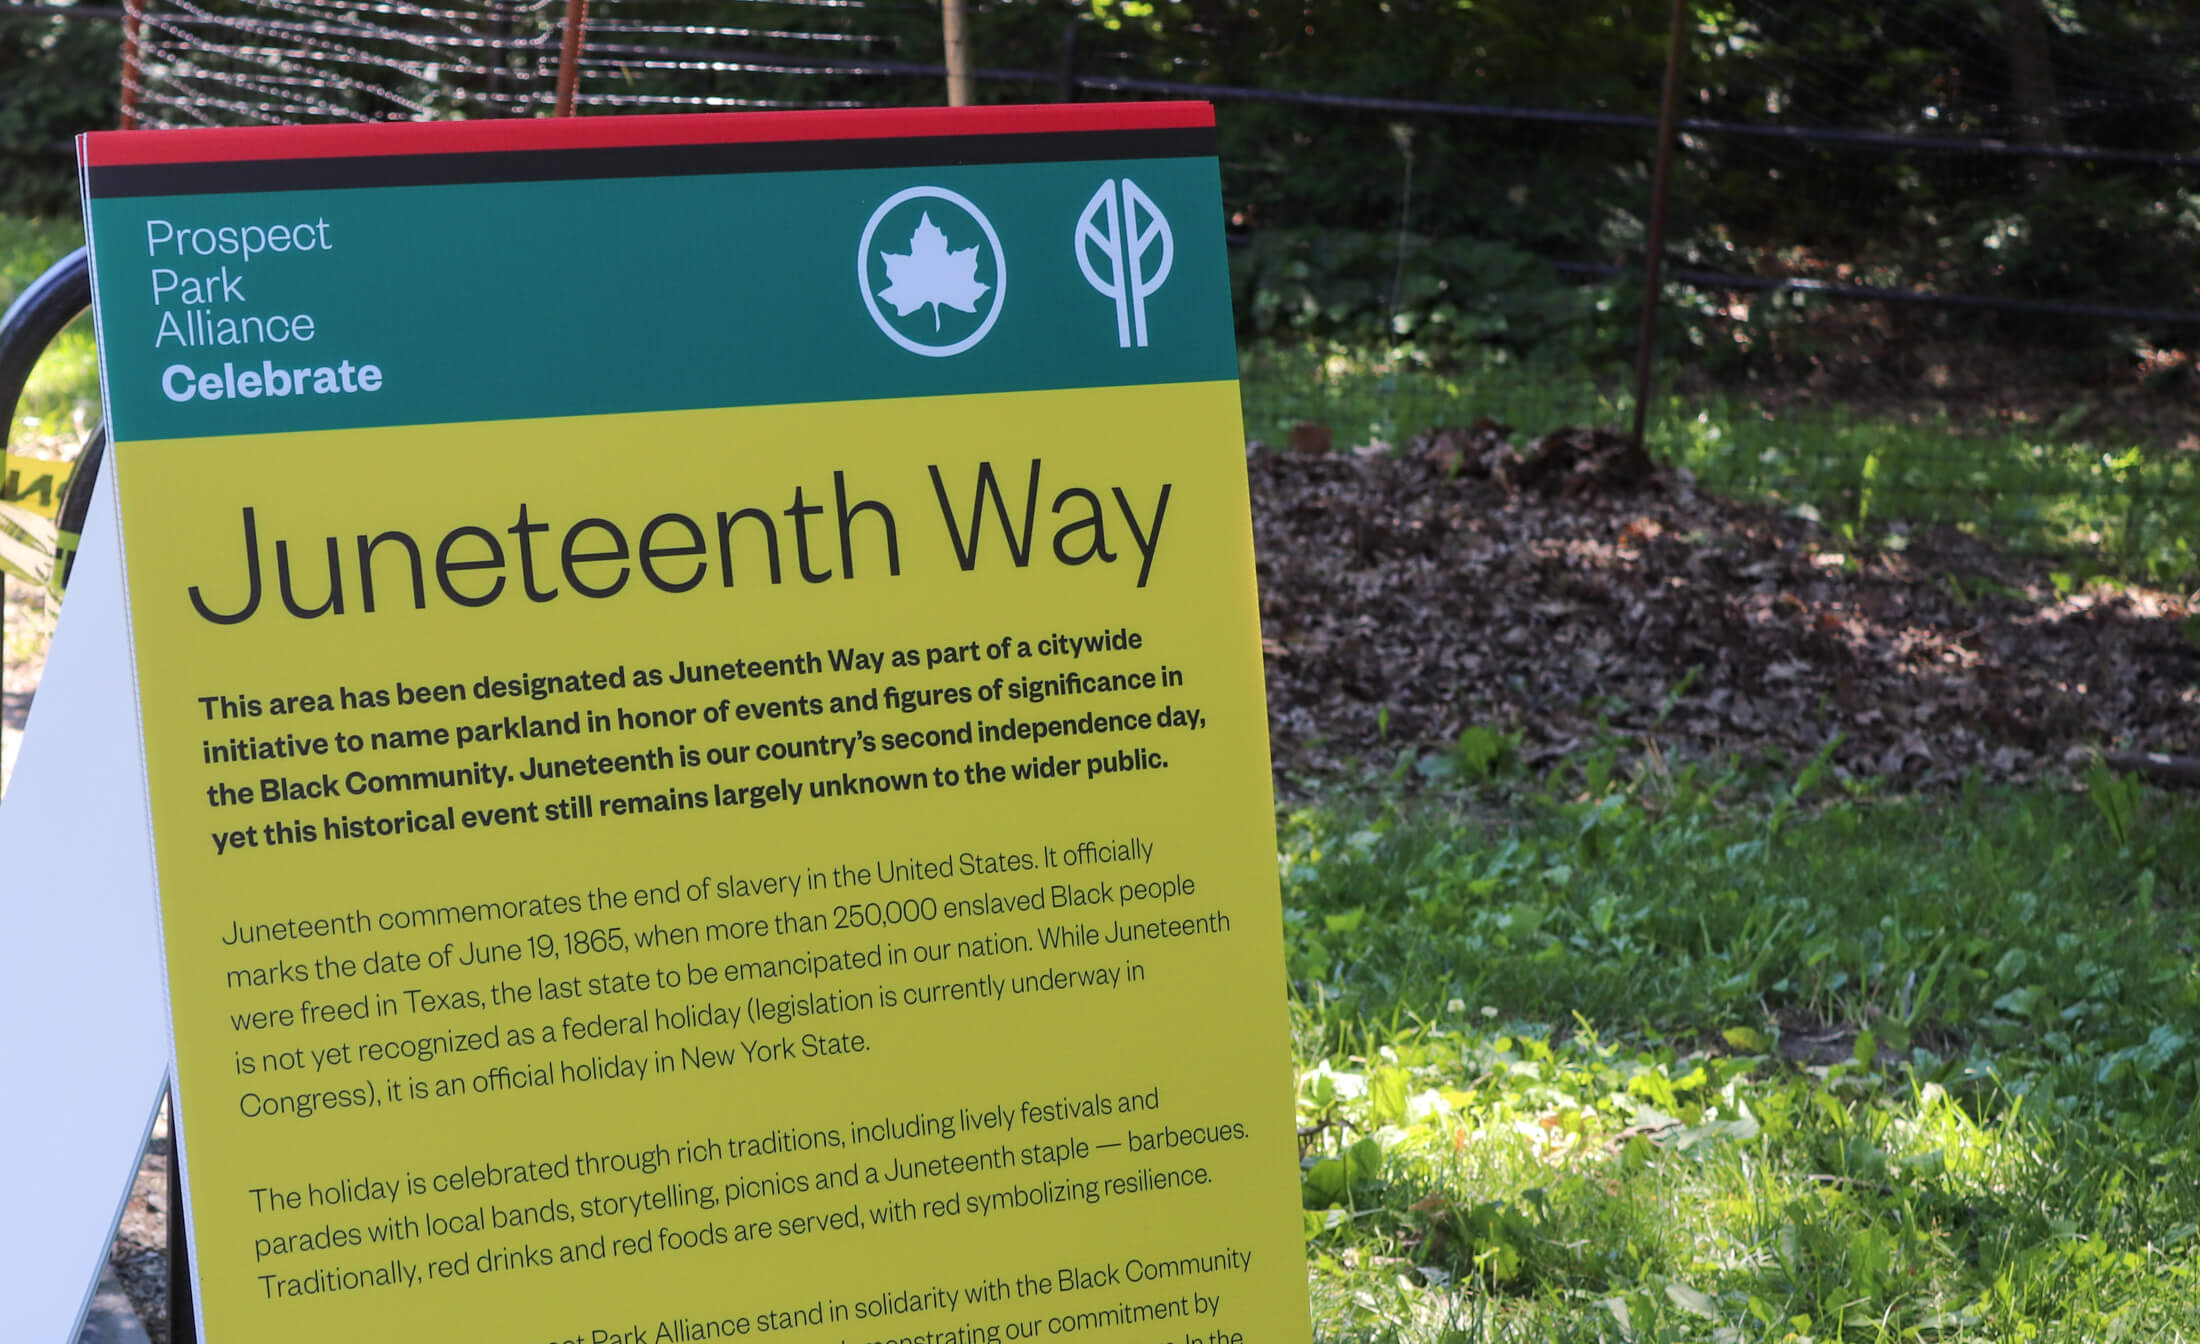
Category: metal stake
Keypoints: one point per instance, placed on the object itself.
(133, 13)
(569, 58)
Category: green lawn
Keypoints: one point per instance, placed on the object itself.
(1624, 1056)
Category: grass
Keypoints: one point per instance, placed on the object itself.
(1629, 1055)
(2110, 500)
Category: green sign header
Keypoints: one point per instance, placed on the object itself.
(345, 306)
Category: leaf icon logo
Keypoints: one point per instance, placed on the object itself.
(930, 272)
(952, 264)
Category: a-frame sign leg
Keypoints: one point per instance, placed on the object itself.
(84, 1041)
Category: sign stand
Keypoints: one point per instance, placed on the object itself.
(80, 973)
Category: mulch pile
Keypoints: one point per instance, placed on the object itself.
(1565, 589)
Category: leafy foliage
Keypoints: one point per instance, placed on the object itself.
(1369, 288)
(58, 77)
(61, 399)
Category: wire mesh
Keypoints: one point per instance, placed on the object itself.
(281, 62)
(1890, 235)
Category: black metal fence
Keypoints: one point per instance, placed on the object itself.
(2006, 346)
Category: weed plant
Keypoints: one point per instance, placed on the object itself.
(1634, 1053)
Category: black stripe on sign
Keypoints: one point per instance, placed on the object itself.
(556, 165)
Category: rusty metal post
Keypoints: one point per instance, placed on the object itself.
(1660, 183)
(133, 14)
(569, 56)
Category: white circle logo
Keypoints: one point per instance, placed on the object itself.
(933, 261)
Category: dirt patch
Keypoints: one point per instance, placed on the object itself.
(1562, 591)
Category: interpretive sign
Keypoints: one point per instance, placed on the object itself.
(703, 726)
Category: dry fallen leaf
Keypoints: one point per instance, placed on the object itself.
(1564, 594)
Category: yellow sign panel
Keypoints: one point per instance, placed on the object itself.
(34, 485)
(655, 894)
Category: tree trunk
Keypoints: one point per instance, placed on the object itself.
(2038, 121)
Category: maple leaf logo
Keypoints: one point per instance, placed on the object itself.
(929, 273)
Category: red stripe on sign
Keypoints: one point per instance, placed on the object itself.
(234, 144)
